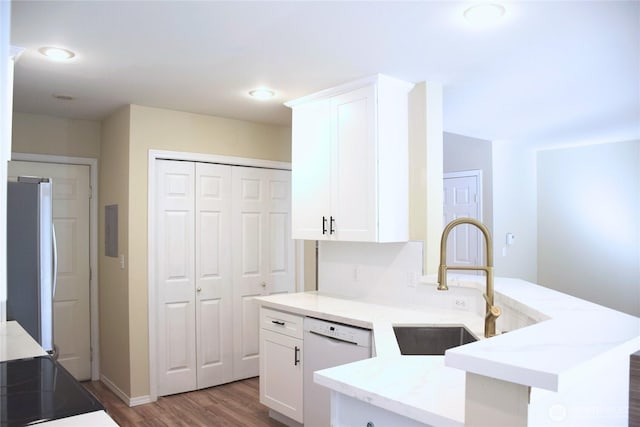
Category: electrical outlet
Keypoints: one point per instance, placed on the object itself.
(412, 279)
(461, 303)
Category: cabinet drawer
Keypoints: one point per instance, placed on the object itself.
(281, 322)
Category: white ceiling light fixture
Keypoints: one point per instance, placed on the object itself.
(484, 14)
(56, 53)
(262, 94)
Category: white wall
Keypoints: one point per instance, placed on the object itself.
(372, 272)
(589, 223)
(6, 107)
(515, 210)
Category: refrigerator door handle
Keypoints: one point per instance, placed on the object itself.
(55, 258)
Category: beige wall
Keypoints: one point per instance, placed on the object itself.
(310, 265)
(113, 282)
(158, 129)
(38, 134)
(425, 170)
(463, 153)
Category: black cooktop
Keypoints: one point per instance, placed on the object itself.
(37, 390)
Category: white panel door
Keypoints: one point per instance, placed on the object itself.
(262, 254)
(71, 307)
(176, 352)
(214, 322)
(461, 199)
(354, 203)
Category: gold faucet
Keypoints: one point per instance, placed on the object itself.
(492, 312)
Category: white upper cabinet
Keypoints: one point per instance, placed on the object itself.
(350, 176)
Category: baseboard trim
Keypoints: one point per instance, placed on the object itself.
(130, 401)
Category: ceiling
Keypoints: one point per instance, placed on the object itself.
(552, 72)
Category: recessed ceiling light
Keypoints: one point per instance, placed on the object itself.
(56, 53)
(262, 94)
(484, 14)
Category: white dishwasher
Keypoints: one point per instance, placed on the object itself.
(328, 344)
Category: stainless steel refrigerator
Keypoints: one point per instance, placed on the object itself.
(31, 258)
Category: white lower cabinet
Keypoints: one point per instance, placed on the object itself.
(281, 373)
(347, 411)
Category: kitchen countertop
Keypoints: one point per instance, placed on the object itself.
(16, 343)
(569, 334)
(419, 387)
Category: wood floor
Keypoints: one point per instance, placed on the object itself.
(233, 404)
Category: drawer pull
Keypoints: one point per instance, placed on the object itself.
(296, 359)
(278, 322)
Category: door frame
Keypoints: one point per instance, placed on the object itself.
(93, 242)
(151, 240)
(477, 174)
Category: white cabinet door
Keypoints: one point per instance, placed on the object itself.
(348, 411)
(175, 277)
(214, 322)
(354, 207)
(262, 254)
(281, 374)
(311, 173)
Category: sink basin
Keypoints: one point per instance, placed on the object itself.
(431, 340)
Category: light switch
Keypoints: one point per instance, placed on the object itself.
(510, 239)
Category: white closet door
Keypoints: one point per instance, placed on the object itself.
(262, 254)
(175, 277)
(214, 322)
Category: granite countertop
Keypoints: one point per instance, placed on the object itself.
(431, 389)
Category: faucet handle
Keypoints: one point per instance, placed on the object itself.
(495, 311)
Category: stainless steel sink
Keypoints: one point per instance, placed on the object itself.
(431, 340)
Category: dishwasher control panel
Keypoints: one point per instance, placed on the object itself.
(338, 331)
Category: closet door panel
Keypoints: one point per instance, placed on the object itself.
(248, 224)
(279, 271)
(214, 323)
(262, 253)
(175, 277)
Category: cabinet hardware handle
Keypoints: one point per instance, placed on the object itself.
(263, 284)
(324, 225)
(296, 359)
(332, 222)
(278, 322)
(199, 289)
